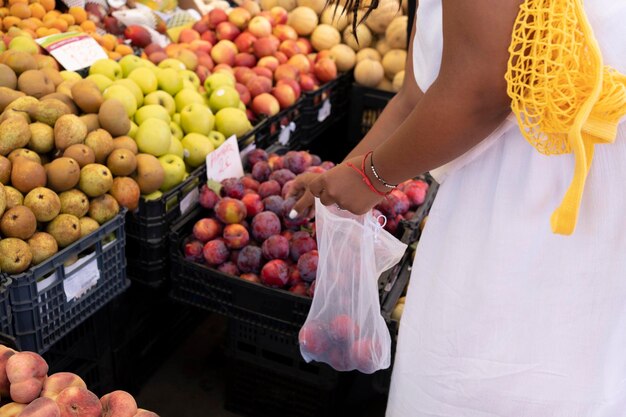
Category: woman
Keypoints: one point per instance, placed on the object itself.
(503, 317)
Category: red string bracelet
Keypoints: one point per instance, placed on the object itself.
(363, 175)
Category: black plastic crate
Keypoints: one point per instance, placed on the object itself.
(5, 308)
(256, 391)
(50, 299)
(322, 107)
(366, 105)
(282, 128)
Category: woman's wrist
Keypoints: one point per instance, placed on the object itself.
(376, 178)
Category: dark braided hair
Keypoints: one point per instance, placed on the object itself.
(353, 7)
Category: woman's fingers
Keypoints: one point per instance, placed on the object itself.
(303, 206)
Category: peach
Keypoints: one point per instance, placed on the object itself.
(79, 402)
(26, 372)
(325, 70)
(153, 47)
(280, 14)
(227, 30)
(259, 85)
(285, 95)
(201, 26)
(245, 41)
(54, 384)
(5, 354)
(202, 72)
(224, 52)
(205, 60)
(199, 45)
(301, 62)
(308, 82)
(209, 36)
(244, 93)
(266, 14)
(286, 71)
(285, 32)
(217, 16)
(118, 404)
(244, 59)
(282, 58)
(263, 72)
(41, 407)
(239, 17)
(12, 409)
(243, 74)
(188, 35)
(260, 27)
(322, 54)
(145, 413)
(265, 46)
(252, 6)
(227, 69)
(293, 84)
(158, 56)
(270, 62)
(305, 45)
(290, 47)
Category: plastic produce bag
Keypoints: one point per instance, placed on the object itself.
(344, 327)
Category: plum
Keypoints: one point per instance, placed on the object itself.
(307, 265)
(236, 236)
(395, 203)
(261, 171)
(232, 187)
(313, 337)
(282, 176)
(343, 329)
(215, 252)
(207, 198)
(253, 203)
(207, 229)
(256, 155)
(248, 276)
(301, 245)
(264, 225)
(274, 203)
(228, 268)
(275, 247)
(250, 259)
(275, 273)
(193, 250)
(268, 188)
(315, 160)
(295, 162)
(250, 183)
(300, 289)
(327, 165)
(230, 210)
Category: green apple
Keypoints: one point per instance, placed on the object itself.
(25, 44)
(217, 138)
(70, 75)
(174, 168)
(145, 79)
(196, 118)
(154, 137)
(197, 147)
(133, 130)
(151, 111)
(106, 67)
(153, 196)
(188, 84)
(170, 81)
(123, 94)
(218, 79)
(241, 106)
(188, 96)
(133, 88)
(191, 77)
(176, 147)
(162, 99)
(176, 118)
(103, 82)
(172, 63)
(231, 121)
(223, 97)
(177, 132)
(129, 63)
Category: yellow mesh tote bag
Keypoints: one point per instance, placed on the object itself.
(564, 97)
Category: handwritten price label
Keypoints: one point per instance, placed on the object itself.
(225, 161)
(73, 50)
(324, 111)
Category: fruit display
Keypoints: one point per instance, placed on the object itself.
(26, 389)
(401, 204)
(247, 231)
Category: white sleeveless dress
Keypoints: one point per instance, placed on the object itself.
(504, 318)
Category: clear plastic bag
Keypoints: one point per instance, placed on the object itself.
(344, 327)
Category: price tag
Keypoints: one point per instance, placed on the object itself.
(73, 50)
(324, 112)
(225, 161)
(82, 279)
(285, 133)
(189, 201)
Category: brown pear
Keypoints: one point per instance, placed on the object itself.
(126, 191)
(102, 144)
(125, 142)
(7, 77)
(41, 137)
(113, 117)
(150, 173)
(5, 170)
(103, 208)
(69, 130)
(66, 87)
(87, 226)
(44, 203)
(63, 174)
(24, 153)
(7, 96)
(35, 83)
(48, 111)
(95, 180)
(65, 229)
(14, 134)
(122, 162)
(14, 197)
(19, 61)
(91, 121)
(3, 199)
(74, 202)
(42, 246)
(87, 96)
(15, 255)
(22, 104)
(14, 114)
(27, 175)
(53, 75)
(81, 153)
(65, 99)
(19, 222)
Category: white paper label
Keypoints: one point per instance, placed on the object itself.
(82, 279)
(189, 201)
(324, 112)
(73, 50)
(285, 133)
(224, 162)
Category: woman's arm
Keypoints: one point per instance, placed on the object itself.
(467, 101)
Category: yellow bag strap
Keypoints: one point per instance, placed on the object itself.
(563, 96)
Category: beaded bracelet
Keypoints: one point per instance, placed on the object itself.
(378, 177)
(363, 175)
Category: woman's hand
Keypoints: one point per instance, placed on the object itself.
(305, 206)
(344, 186)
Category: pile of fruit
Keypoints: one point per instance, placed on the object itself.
(247, 231)
(401, 204)
(24, 380)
